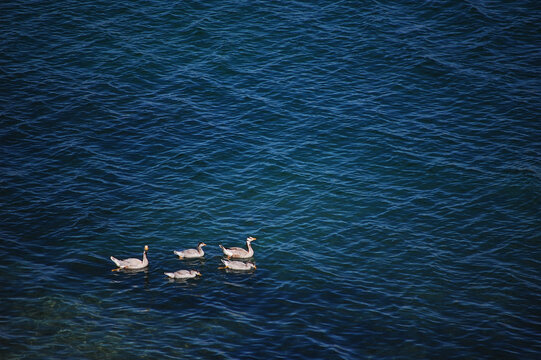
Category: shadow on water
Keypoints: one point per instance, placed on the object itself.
(193, 262)
(237, 272)
(132, 273)
(183, 283)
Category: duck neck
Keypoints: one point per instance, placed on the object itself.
(200, 249)
(145, 259)
(249, 245)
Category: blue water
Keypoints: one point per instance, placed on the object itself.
(385, 155)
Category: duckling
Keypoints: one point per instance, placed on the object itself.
(131, 263)
(183, 274)
(240, 253)
(191, 253)
(238, 265)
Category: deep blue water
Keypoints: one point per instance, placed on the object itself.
(386, 156)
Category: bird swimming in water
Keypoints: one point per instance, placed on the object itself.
(191, 253)
(131, 263)
(238, 265)
(183, 274)
(240, 253)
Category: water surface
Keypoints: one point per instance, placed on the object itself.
(386, 156)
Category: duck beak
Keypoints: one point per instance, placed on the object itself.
(146, 247)
(203, 244)
(251, 238)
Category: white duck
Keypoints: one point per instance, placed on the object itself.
(131, 263)
(238, 265)
(183, 274)
(191, 253)
(240, 253)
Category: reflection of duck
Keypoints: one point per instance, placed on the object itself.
(240, 253)
(183, 274)
(238, 265)
(131, 263)
(191, 253)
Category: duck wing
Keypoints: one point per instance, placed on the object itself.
(131, 263)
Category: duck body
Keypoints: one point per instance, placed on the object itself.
(191, 253)
(240, 253)
(131, 263)
(239, 265)
(183, 274)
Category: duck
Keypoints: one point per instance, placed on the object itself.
(183, 274)
(240, 253)
(131, 263)
(238, 265)
(191, 253)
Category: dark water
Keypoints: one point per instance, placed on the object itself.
(386, 156)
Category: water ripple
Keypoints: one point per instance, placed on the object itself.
(386, 156)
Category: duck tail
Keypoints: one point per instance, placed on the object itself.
(225, 251)
(115, 260)
(171, 275)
